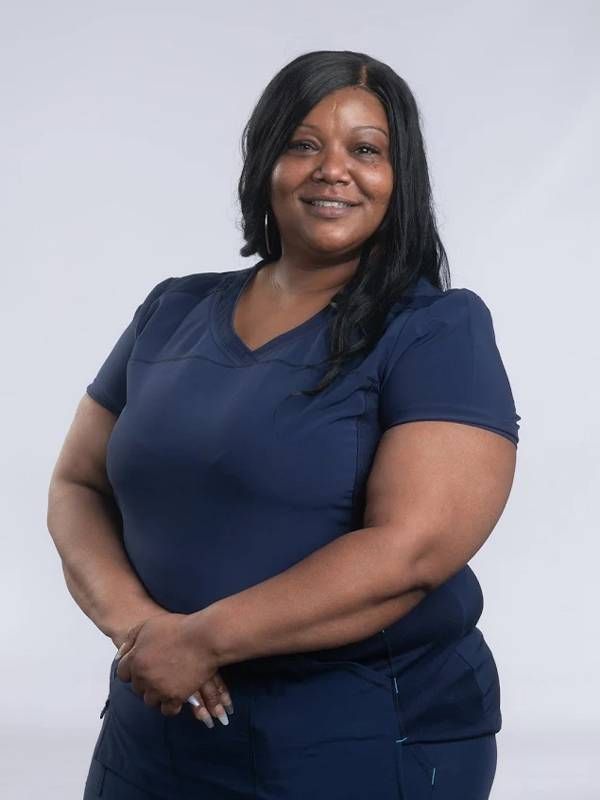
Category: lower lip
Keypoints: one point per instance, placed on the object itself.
(329, 212)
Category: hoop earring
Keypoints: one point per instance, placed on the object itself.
(268, 246)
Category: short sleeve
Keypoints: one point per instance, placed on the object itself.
(109, 387)
(445, 365)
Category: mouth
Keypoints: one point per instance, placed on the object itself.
(324, 203)
(329, 209)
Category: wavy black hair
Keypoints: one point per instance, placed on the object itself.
(406, 244)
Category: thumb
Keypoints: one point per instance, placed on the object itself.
(129, 639)
(123, 648)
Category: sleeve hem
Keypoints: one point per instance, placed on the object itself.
(449, 416)
(103, 399)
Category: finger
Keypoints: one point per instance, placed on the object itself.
(223, 692)
(212, 698)
(138, 686)
(123, 648)
(200, 710)
(129, 639)
(151, 698)
(127, 642)
(170, 708)
(123, 670)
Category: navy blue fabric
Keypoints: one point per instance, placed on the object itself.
(446, 365)
(300, 729)
(225, 476)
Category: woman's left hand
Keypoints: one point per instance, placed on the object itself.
(165, 660)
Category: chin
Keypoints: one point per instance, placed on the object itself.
(331, 248)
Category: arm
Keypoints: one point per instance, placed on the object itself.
(85, 526)
(341, 593)
(97, 571)
(434, 494)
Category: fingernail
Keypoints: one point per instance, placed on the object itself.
(207, 720)
(221, 715)
(226, 698)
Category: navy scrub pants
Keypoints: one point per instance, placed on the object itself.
(302, 729)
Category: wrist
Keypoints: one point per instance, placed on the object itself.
(119, 623)
(208, 634)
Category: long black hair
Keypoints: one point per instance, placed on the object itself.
(405, 246)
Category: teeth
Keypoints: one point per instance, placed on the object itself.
(334, 203)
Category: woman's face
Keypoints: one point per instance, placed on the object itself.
(341, 149)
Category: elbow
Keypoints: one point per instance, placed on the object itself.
(436, 564)
(420, 563)
(428, 573)
(407, 563)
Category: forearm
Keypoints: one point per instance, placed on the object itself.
(346, 591)
(86, 530)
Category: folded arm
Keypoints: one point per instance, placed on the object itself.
(435, 493)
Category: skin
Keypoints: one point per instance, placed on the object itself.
(330, 152)
(341, 148)
(435, 490)
(86, 529)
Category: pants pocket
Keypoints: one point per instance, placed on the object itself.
(325, 729)
(419, 772)
(451, 769)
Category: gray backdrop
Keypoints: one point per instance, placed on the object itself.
(120, 134)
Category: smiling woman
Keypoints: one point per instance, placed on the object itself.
(330, 189)
(304, 547)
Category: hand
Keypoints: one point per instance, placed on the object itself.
(133, 619)
(214, 699)
(162, 656)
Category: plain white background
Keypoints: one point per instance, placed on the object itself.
(120, 146)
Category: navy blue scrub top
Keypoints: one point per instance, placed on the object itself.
(225, 477)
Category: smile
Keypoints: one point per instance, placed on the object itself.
(328, 208)
(337, 203)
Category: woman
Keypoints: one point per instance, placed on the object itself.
(301, 457)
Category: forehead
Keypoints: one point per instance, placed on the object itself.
(347, 108)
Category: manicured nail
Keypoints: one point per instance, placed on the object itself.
(207, 719)
(221, 715)
(226, 698)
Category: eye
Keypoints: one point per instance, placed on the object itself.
(297, 145)
(369, 147)
(302, 144)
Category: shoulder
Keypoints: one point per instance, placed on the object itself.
(427, 307)
(430, 301)
(457, 318)
(200, 284)
(197, 285)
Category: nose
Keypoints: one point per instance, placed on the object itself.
(332, 166)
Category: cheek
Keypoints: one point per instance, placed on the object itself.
(377, 183)
(279, 185)
(285, 178)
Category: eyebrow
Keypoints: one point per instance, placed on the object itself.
(356, 128)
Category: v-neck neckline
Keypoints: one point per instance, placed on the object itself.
(224, 311)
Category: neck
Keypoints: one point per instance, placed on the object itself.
(306, 279)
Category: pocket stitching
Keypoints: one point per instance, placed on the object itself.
(379, 679)
(426, 765)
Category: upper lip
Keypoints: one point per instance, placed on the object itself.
(329, 197)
